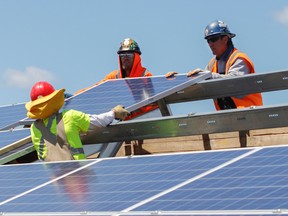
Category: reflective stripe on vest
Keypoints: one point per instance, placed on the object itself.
(39, 126)
(211, 64)
(48, 138)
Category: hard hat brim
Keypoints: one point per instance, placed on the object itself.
(231, 35)
(45, 106)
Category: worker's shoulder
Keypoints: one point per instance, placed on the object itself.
(112, 74)
(148, 73)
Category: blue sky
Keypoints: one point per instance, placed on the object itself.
(73, 43)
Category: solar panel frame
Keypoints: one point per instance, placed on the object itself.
(16, 153)
(14, 143)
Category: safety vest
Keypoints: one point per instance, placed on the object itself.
(234, 102)
(51, 140)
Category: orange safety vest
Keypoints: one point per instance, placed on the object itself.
(137, 71)
(247, 100)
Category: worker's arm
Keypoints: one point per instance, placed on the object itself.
(104, 119)
(101, 120)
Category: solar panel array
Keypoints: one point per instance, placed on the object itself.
(229, 182)
(238, 180)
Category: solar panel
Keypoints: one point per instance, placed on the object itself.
(11, 115)
(133, 93)
(227, 182)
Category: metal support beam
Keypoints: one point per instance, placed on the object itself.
(207, 123)
(254, 83)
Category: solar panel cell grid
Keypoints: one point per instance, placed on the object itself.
(17, 179)
(256, 182)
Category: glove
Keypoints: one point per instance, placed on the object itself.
(120, 112)
(193, 72)
(170, 74)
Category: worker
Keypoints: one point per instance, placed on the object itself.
(129, 63)
(55, 134)
(227, 62)
(129, 66)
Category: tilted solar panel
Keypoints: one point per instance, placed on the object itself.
(133, 93)
(10, 115)
(236, 181)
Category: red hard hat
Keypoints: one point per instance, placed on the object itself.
(41, 89)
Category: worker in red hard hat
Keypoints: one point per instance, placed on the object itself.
(129, 66)
(227, 62)
(56, 135)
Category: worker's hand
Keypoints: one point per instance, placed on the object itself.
(170, 74)
(120, 112)
(193, 72)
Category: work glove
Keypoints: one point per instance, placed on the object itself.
(170, 74)
(120, 112)
(193, 72)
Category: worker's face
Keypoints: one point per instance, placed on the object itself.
(218, 44)
(126, 59)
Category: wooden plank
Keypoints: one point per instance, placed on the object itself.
(262, 137)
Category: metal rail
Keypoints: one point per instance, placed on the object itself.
(204, 123)
(253, 83)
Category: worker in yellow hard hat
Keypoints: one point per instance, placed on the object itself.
(56, 135)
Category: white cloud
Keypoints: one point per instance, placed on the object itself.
(282, 16)
(26, 79)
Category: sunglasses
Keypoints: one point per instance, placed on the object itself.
(127, 55)
(213, 39)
